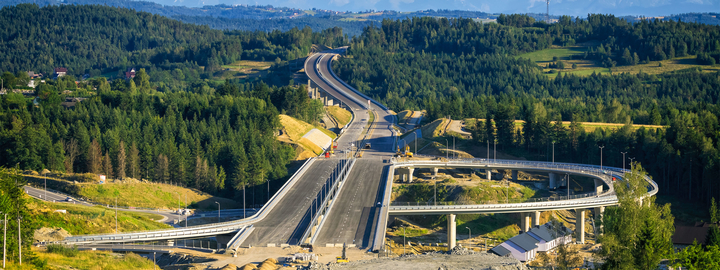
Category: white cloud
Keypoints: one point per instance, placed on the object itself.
(339, 3)
(396, 3)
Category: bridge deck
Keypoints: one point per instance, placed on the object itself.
(287, 222)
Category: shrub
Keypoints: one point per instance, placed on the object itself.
(63, 250)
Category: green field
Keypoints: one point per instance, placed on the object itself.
(81, 219)
(546, 56)
(588, 67)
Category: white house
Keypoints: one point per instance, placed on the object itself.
(524, 247)
(550, 237)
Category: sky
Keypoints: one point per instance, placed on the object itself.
(557, 7)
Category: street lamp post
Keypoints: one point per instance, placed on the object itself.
(218, 211)
(631, 162)
(45, 174)
(435, 193)
(403, 226)
(553, 155)
(454, 153)
(415, 133)
(601, 148)
(495, 151)
(447, 148)
(116, 215)
(488, 150)
(469, 235)
(244, 184)
(623, 153)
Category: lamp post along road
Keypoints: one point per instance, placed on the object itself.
(447, 148)
(4, 239)
(601, 148)
(631, 162)
(469, 235)
(218, 211)
(623, 153)
(553, 155)
(415, 133)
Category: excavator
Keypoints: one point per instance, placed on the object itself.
(343, 258)
(406, 153)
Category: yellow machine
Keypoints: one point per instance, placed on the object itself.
(407, 151)
(343, 258)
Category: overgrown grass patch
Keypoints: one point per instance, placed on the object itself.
(81, 219)
(343, 116)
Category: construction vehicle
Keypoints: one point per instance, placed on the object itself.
(406, 153)
(343, 258)
(332, 147)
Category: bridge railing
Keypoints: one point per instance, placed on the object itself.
(529, 200)
(201, 230)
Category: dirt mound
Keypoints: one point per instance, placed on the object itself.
(45, 234)
(230, 267)
(249, 266)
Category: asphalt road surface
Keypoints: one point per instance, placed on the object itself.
(168, 217)
(353, 216)
(286, 223)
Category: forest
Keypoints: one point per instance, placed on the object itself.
(173, 122)
(98, 39)
(460, 68)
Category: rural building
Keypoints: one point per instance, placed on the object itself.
(59, 72)
(524, 247)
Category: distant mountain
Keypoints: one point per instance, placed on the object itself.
(559, 7)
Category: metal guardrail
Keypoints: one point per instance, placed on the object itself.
(194, 231)
(328, 202)
(604, 173)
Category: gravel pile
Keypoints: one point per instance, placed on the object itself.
(430, 261)
(45, 234)
(459, 250)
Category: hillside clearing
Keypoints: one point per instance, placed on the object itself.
(343, 116)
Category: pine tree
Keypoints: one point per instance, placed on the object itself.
(107, 166)
(94, 157)
(121, 161)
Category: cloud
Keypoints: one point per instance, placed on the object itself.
(339, 3)
(396, 3)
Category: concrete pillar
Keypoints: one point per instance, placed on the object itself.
(170, 243)
(410, 173)
(553, 181)
(536, 218)
(599, 186)
(435, 171)
(599, 212)
(526, 222)
(514, 175)
(488, 172)
(580, 225)
(451, 230)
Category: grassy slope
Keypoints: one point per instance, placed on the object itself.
(91, 220)
(295, 129)
(91, 260)
(588, 67)
(150, 195)
(343, 116)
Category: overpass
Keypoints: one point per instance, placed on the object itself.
(347, 200)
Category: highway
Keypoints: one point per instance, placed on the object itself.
(354, 213)
(168, 217)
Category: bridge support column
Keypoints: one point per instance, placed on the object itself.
(536, 218)
(451, 231)
(514, 175)
(411, 170)
(170, 243)
(488, 172)
(599, 186)
(553, 181)
(435, 171)
(599, 212)
(525, 221)
(580, 225)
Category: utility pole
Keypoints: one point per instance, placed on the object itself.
(19, 240)
(116, 216)
(4, 240)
